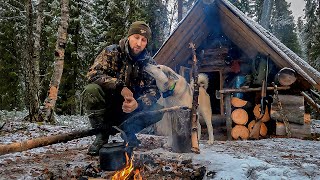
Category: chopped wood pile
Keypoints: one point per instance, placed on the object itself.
(242, 129)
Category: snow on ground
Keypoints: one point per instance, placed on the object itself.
(273, 158)
(263, 159)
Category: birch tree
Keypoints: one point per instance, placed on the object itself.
(51, 99)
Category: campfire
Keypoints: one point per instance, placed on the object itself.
(127, 171)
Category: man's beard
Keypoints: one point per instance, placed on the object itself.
(133, 53)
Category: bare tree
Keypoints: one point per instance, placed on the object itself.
(32, 60)
(37, 47)
(51, 99)
(31, 83)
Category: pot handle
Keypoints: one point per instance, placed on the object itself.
(125, 138)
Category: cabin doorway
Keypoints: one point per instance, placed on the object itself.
(214, 85)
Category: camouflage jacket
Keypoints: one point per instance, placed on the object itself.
(114, 68)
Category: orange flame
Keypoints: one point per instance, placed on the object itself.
(137, 175)
(125, 172)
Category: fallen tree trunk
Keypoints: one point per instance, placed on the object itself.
(48, 140)
(44, 141)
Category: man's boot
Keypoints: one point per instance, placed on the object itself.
(96, 118)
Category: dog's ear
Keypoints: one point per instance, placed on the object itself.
(170, 73)
(173, 75)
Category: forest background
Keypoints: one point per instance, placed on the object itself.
(29, 38)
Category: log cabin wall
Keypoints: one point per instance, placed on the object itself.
(217, 30)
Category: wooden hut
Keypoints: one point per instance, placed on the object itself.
(229, 45)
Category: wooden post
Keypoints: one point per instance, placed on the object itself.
(227, 100)
(193, 116)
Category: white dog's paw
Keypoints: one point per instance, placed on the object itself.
(167, 145)
(210, 142)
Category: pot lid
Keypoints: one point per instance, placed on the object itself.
(114, 144)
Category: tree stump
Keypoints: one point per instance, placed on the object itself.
(263, 130)
(181, 132)
(240, 131)
(239, 116)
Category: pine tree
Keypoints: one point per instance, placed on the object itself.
(312, 30)
(156, 15)
(283, 26)
(83, 44)
(12, 33)
(257, 6)
(246, 6)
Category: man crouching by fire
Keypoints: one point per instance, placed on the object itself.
(118, 88)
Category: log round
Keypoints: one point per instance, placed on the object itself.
(251, 124)
(240, 131)
(263, 128)
(286, 76)
(257, 110)
(239, 116)
(237, 102)
(280, 129)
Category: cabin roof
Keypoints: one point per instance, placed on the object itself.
(204, 21)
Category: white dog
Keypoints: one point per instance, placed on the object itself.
(177, 92)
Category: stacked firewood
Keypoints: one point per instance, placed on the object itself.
(241, 128)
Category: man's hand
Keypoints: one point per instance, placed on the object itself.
(129, 104)
(125, 92)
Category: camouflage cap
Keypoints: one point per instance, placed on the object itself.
(140, 27)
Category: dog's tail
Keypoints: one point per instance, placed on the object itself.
(203, 80)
